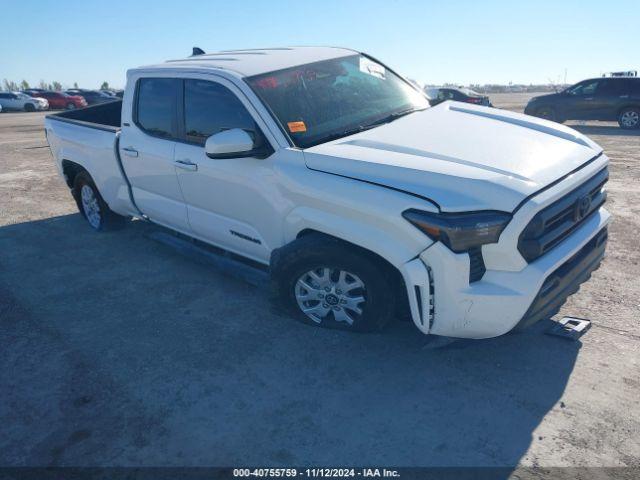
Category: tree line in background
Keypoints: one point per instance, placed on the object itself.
(11, 86)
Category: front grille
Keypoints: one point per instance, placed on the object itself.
(556, 222)
(566, 280)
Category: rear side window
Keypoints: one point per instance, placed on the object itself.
(156, 106)
(632, 85)
(210, 108)
(613, 86)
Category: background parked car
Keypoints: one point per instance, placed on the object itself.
(92, 97)
(59, 99)
(22, 101)
(606, 99)
(439, 95)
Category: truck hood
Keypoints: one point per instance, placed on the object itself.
(461, 157)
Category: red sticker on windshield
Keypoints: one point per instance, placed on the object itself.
(295, 127)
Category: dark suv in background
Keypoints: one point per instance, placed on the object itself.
(606, 99)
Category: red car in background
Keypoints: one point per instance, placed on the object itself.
(59, 99)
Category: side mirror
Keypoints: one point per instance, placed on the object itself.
(229, 144)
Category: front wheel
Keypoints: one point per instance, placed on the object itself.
(629, 118)
(29, 107)
(92, 206)
(329, 284)
(71, 106)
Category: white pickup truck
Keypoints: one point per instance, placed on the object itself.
(329, 168)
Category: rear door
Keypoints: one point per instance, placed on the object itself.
(147, 146)
(10, 101)
(5, 100)
(611, 95)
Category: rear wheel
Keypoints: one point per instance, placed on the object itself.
(71, 106)
(92, 206)
(326, 283)
(29, 107)
(629, 118)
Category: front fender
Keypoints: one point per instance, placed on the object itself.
(397, 247)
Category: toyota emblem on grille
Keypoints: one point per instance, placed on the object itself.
(581, 208)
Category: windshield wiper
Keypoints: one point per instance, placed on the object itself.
(361, 128)
(344, 133)
(394, 116)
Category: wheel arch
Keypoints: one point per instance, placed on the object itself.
(395, 274)
(70, 170)
(635, 105)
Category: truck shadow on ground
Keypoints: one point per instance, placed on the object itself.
(119, 351)
(605, 130)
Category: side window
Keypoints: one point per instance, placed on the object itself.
(445, 94)
(585, 88)
(612, 86)
(4, 95)
(210, 108)
(156, 106)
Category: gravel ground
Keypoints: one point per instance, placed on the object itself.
(116, 350)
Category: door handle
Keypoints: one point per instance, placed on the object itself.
(186, 165)
(589, 98)
(130, 152)
(624, 96)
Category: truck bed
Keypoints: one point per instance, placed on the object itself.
(89, 138)
(105, 116)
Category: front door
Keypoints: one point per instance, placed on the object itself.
(230, 202)
(580, 102)
(147, 148)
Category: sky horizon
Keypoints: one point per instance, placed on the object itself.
(496, 42)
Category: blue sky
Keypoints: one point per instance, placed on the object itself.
(433, 42)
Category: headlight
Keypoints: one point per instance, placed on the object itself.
(460, 231)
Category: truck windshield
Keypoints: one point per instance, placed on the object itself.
(325, 100)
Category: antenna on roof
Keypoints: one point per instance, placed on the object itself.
(197, 51)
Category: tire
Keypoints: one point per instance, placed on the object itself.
(340, 286)
(71, 106)
(29, 107)
(629, 118)
(92, 206)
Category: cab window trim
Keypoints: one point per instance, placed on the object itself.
(182, 117)
(178, 123)
(174, 119)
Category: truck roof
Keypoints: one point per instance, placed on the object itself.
(255, 61)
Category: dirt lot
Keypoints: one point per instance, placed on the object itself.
(116, 350)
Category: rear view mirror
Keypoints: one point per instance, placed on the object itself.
(229, 144)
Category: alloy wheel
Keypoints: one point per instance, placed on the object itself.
(90, 206)
(325, 292)
(630, 118)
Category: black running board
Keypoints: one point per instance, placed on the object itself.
(225, 262)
